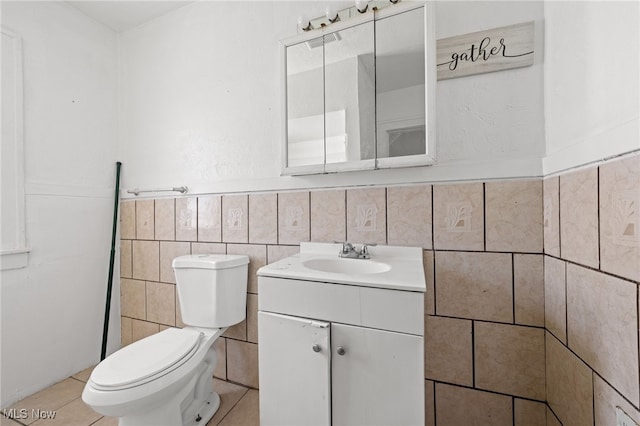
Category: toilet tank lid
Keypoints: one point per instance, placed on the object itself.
(210, 261)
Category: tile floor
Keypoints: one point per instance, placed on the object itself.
(239, 406)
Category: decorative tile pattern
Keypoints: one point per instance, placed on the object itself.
(458, 216)
(235, 218)
(293, 217)
(409, 216)
(210, 218)
(187, 219)
(366, 215)
(620, 217)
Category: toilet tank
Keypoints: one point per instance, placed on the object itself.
(212, 289)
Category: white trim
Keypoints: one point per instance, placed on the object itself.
(14, 259)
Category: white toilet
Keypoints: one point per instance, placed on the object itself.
(166, 378)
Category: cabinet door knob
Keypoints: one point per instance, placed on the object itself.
(316, 348)
(341, 350)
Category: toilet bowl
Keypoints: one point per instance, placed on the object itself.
(166, 378)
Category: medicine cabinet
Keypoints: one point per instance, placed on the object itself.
(360, 94)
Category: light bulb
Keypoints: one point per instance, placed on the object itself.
(304, 23)
(332, 14)
(362, 5)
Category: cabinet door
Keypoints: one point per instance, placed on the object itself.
(294, 356)
(378, 379)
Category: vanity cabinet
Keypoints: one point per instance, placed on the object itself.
(333, 354)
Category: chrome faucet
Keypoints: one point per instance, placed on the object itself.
(350, 252)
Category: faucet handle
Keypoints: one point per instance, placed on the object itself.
(364, 251)
(346, 246)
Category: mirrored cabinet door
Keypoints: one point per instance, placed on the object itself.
(400, 88)
(350, 98)
(305, 106)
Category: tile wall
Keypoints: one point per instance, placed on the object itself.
(496, 349)
(592, 272)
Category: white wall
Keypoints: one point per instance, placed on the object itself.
(201, 101)
(52, 310)
(591, 72)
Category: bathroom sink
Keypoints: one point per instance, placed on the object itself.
(346, 266)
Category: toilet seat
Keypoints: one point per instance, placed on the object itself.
(146, 360)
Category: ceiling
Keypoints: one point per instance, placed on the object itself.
(123, 15)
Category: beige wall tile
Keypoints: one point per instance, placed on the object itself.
(551, 216)
(220, 346)
(237, 331)
(429, 403)
(579, 217)
(555, 297)
(366, 215)
(620, 217)
(328, 216)
(513, 216)
(458, 216)
(242, 363)
(293, 217)
(142, 329)
(125, 259)
(409, 216)
(263, 218)
(510, 359)
(128, 220)
(448, 350)
(165, 219)
(552, 420)
(602, 326)
(208, 248)
(569, 385)
(125, 331)
(457, 406)
(187, 219)
(474, 285)
(528, 281)
(145, 223)
(429, 275)
(235, 218)
(529, 413)
(257, 259)
(606, 400)
(161, 303)
(132, 299)
(169, 250)
(252, 318)
(210, 218)
(146, 260)
(275, 253)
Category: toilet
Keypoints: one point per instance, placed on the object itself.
(166, 378)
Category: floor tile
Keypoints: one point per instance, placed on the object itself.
(230, 394)
(84, 375)
(246, 412)
(76, 413)
(106, 421)
(51, 398)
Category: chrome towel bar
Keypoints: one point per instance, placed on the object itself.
(180, 189)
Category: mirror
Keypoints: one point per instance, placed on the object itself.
(359, 93)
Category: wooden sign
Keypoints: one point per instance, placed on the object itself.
(486, 51)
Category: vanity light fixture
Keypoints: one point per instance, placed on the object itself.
(332, 14)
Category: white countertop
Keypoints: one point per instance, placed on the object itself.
(406, 267)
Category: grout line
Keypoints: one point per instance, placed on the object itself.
(457, 385)
(513, 286)
(473, 353)
(513, 410)
(559, 221)
(598, 210)
(593, 394)
(435, 419)
(566, 311)
(433, 238)
(484, 212)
